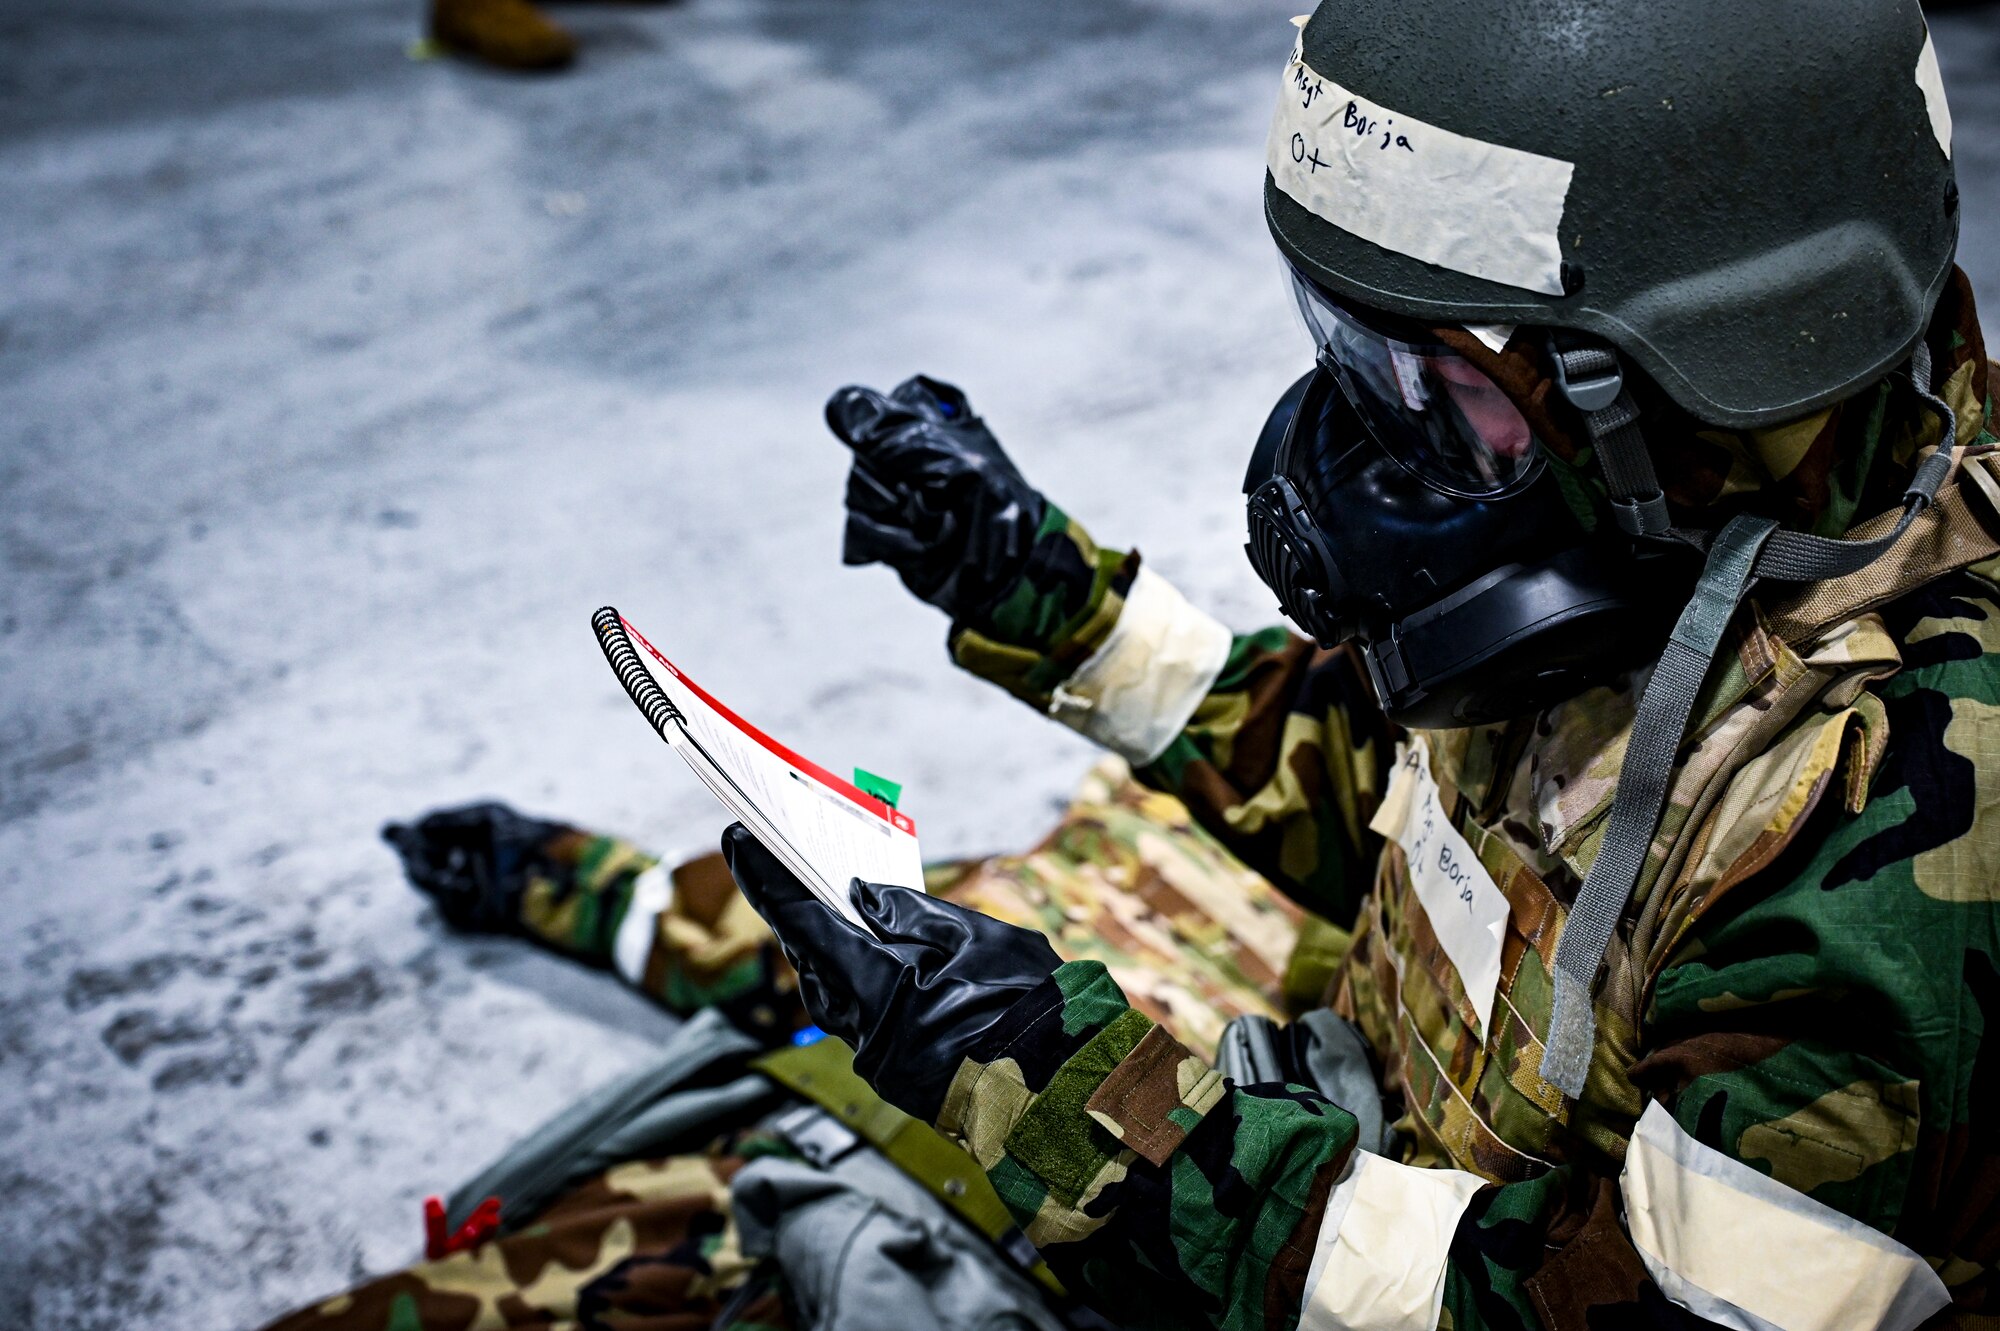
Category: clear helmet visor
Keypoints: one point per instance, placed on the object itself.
(1431, 409)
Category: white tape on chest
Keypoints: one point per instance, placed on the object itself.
(1744, 1251)
(1467, 910)
(1474, 207)
(1383, 1245)
(1138, 689)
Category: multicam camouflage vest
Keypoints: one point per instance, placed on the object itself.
(1787, 714)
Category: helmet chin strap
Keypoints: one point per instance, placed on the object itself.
(1745, 551)
(1590, 377)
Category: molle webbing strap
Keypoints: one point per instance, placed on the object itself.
(823, 1072)
(1642, 791)
(1949, 534)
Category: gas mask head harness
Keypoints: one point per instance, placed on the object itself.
(1399, 499)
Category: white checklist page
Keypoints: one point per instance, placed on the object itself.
(831, 831)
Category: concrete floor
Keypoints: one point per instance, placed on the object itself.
(340, 388)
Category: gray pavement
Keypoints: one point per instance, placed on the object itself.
(337, 389)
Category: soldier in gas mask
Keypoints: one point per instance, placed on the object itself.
(1641, 759)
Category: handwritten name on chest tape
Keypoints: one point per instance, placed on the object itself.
(1467, 911)
(1477, 208)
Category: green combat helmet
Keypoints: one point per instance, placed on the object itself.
(1753, 205)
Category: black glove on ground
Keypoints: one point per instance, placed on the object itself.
(474, 861)
(933, 495)
(913, 1001)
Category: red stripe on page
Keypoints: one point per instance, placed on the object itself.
(896, 818)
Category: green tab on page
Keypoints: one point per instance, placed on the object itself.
(880, 787)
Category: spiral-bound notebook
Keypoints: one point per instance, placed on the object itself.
(827, 831)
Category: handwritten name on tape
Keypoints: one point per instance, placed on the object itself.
(1466, 908)
(1474, 207)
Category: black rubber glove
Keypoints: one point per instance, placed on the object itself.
(933, 495)
(474, 861)
(911, 1001)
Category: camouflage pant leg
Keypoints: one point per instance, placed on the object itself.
(645, 1246)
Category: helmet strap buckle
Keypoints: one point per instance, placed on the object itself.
(1594, 383)
(1589, 376)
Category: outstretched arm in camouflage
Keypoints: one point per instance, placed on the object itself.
(492, 870)
(679, 933)
(912, 996)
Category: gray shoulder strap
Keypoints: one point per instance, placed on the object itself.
(1642, 792)
(1745, 551)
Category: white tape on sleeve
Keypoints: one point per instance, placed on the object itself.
(1743, 1250)
(1931, 80)
(1138, 689)
(652, 893)
(1383, 1244)
(1474, 207)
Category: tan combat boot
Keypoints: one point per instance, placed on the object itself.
(509, 33)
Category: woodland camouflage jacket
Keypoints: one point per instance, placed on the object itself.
(1805, 989)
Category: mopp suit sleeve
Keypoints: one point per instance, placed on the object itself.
(1798, 1131)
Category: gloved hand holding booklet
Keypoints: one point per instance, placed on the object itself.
(826, 830)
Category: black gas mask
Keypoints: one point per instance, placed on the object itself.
(1399, 499)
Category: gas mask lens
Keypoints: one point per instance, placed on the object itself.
(1431, 409)
(1398, 500)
